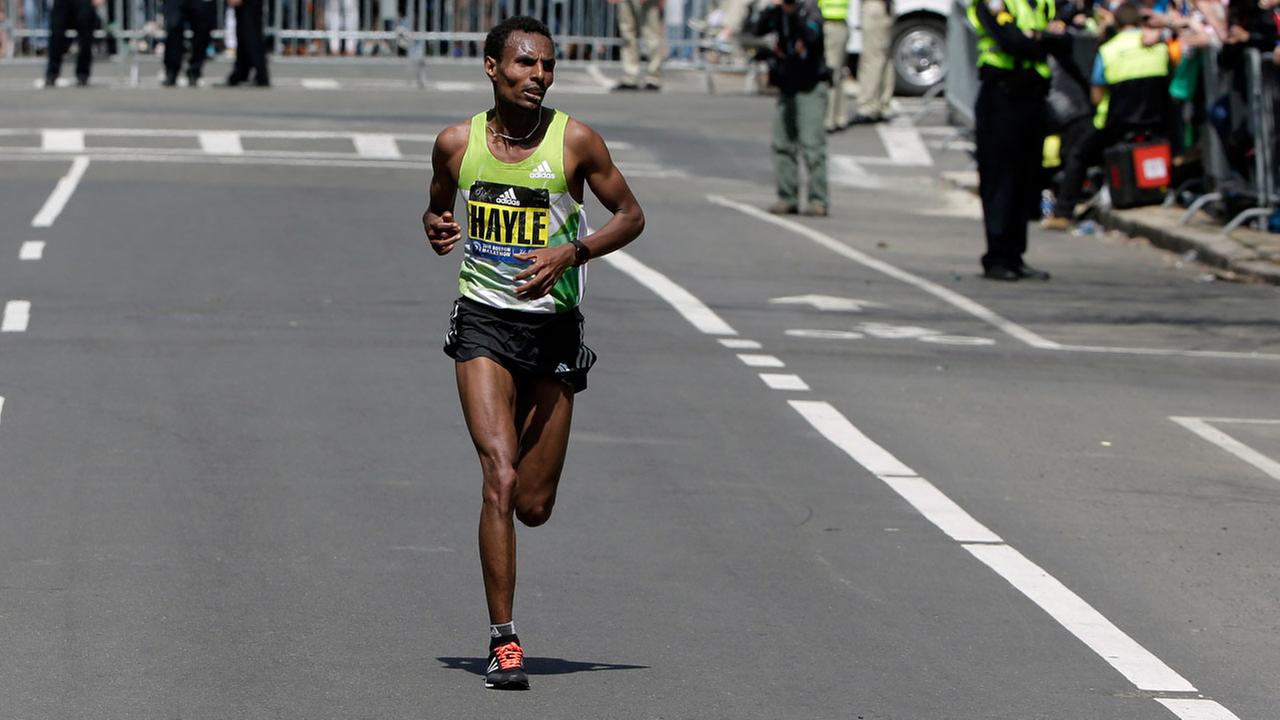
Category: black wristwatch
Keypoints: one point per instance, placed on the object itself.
(581, 254)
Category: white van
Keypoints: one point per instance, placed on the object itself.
(919, 49)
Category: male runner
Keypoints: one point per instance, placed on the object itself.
(516, 332)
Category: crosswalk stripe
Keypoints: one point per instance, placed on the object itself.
(376, 146)
(221, 143)
(62, 140)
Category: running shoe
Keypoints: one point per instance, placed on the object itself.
(506, 665)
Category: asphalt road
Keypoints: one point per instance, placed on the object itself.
(235, 483)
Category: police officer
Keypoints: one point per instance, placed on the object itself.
(1015, 38)
(251, 51)
(835, 32)
(78, 15)
(178, 14)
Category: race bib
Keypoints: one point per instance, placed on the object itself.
(503, 220)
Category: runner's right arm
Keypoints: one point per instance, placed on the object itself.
(446, 160)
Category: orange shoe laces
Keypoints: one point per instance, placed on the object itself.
(509, 656)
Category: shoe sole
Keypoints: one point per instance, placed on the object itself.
(510, 685)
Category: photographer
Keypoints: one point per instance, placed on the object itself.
(798, 68)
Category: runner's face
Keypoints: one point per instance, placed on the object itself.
(525, 71)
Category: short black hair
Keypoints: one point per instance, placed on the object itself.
(496, 40)
(1129, 14)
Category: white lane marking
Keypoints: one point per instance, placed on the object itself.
(904, 145)
(1144, 670)
(1201, 427)
(594, 71)
(376, 146)
(740, 344)
(320, 84)
(969, 306)
(936, 507)
(784, 381)
(218, 142)
(940, 510)
(1, 406)
(1119, 650)
(17, 315)
(277, 134)
(836, 428)
(1197, 709)
(455, 86)
(764, 361)
(827, 302)
(62, 140)
(31, 250)
(690, 307)
(61, 194)
(845, 170)
(946, 295)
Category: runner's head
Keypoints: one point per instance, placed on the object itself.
(520, 59)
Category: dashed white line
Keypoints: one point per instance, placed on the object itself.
(217, 142)
(376, 146)
(904, 145)
(1197, 709)
(1201, 427)
(784, 381)
(62, 140)
(764, 361)
(61, 194)
(1, 407)
(690, 307)
(17, 315)
(320, 84)
(31, 250)
(740, 344)
(1142, 668)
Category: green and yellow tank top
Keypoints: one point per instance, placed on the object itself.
(514, 208)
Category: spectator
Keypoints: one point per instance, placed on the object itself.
(341, 17)
(835, 38)
(78, 15)
(640, 19)
(875, 71)
(35, 16)
(798, 69)
(251, 51)
(1130, 87)
(178, 14)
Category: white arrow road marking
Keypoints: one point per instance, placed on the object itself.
(827, 302)
(845, 170)
(904, 145)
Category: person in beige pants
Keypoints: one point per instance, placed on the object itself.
(835, 35)
(637, 18)
(875, 72)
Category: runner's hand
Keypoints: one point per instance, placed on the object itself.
(545, 268)
(442, 231)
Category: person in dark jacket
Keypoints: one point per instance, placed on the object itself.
(178, 15)
(798, 68)
(78, 15)
(251, 51)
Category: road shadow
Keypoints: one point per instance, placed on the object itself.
(537, 665)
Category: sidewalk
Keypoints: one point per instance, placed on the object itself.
(1249, 255)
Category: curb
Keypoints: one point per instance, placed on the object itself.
(1159, 226)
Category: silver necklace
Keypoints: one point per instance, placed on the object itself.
(513, 139)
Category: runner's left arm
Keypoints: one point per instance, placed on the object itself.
(595, 167)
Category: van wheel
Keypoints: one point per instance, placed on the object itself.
(919, 54)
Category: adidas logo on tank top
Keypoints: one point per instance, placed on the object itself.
(507, 198)
(543, 172)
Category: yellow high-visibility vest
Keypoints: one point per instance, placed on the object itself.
(834, 9)
(1026, 16)
(1124, 58)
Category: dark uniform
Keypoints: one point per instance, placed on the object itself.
(251, 49)
(178, 14)
(78, 15)
(1010, 120)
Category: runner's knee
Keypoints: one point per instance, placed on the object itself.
(535, 514)
(500, 489)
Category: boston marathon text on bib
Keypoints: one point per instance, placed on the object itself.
(514, 208)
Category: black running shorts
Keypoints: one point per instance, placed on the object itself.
(527, 344)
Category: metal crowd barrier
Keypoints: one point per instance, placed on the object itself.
(584, 29)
